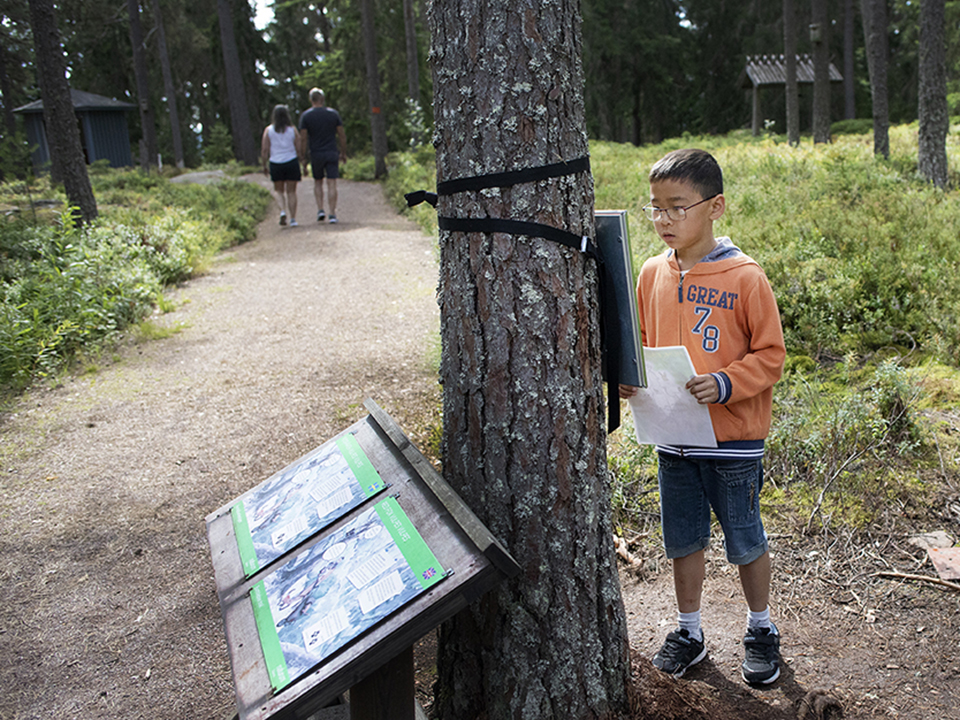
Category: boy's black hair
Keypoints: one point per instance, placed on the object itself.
(697, 167)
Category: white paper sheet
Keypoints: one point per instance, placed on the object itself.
(664, 412)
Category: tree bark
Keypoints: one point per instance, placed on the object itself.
(874, 14)
(147, 124)
(378, 124)
(168, 86)
(63, 135)
(243, 137)
(6, 89)
(413, 62)
(849, 49)
(524, 441)
(821, 71)
(934, 118)
(790, 68)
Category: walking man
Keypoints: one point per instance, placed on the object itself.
(324, 144)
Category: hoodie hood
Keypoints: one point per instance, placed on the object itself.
(724, 251)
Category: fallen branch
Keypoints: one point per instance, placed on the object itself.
(924, 578)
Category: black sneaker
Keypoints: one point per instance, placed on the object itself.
(283, 218)
(679, 653)
(762, 648)
(321, 216)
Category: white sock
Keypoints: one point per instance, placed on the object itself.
(758, 619)
(691, 623)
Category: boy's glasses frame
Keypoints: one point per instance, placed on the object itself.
(674, 214)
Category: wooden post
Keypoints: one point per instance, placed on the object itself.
(387, 693)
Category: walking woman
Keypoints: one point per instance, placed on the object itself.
(280, 147)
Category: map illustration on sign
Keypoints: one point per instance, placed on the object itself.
(324, 598)
(664, 412)
(298, 502)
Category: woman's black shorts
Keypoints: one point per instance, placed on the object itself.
(280, 172)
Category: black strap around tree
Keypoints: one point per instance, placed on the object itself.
(609, 326)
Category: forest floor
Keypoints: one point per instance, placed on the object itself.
(108, 607)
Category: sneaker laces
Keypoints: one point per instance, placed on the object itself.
(759, 645)
(676, 645)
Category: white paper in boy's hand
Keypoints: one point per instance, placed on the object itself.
(664, 412)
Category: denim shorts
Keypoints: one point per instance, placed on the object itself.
(690, 487)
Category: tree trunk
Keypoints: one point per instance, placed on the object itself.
(378, 125)
(849, 49)
(820, 34)
(790, 68)
(147, 124)
(413, 62)
(63, 135)
(6, 89)
(168, 86)
(9, 119)
(524, 441)
(934, 120)
(243, 137)
(874, 14)
(324, 27)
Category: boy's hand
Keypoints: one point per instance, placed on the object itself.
(627, 391)
(703, 388)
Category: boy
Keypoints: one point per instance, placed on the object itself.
(707, 295)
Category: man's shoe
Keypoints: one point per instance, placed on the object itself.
(283, 218)
(679, 653)
(293, 223)
(321, 216)
(762, 649)
(333, 219)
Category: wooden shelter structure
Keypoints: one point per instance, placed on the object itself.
(771, 70)
(103, 129)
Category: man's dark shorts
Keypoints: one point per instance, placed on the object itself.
(327, 164)
(285, 172)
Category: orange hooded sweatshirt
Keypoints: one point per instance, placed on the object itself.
(724, 312)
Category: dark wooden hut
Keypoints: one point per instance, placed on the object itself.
(770, 70)
(103, 129)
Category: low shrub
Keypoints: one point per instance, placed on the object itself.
(64, 289)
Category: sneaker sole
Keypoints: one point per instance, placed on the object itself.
(767, 681)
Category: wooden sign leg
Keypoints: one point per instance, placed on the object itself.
(387, 693)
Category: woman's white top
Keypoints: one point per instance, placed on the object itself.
(282, 148)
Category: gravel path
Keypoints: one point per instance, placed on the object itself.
(108, 607)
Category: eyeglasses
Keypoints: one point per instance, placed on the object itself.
(674, 214)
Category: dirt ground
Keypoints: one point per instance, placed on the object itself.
(108, 607)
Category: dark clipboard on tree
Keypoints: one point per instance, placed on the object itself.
(620, 300)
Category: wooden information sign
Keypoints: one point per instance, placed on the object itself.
(333, 567)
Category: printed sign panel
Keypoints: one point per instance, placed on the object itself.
(302, 500)
(324, 598)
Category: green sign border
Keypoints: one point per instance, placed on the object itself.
(269, 639)
(414, 548)
(241, 528)
(370, 481)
